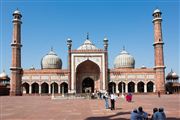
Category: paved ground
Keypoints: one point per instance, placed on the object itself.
(43, 108)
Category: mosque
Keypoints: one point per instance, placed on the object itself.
(87, 68)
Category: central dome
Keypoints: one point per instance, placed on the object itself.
(124, 60)
(51, 61)
(88, 45)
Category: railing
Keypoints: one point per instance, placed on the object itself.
(73, 96)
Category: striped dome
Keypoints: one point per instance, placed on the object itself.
(124, 60)
(51, 61)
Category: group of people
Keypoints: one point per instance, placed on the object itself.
(136, 114)
(140, 114)
(112, 97)
(158, 114)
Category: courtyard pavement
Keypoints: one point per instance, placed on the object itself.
(43, 108)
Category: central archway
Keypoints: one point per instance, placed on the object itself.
(87, 75)
(88, 85)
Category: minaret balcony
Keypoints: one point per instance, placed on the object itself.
(156, 43)
(156, 19)
(16, 44)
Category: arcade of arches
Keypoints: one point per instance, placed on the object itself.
(45, 88)
(133, 87)
(88, 86)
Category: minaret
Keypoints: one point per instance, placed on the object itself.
(158, 52)
(16, 70)
(106, 61)
(69, 45)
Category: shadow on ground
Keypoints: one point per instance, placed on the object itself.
(173, 118)
(110, 117)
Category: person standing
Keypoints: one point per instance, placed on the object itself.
(159, 94)
(106, 100)
(112, 101)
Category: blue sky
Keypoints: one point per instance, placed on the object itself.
(125, 23)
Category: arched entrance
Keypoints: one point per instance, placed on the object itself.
(54, 87)
(140, 86)
(44, 88)
(112, 87)
(131, 87)
(150, 86)
(87, 75)
(25, 88)
(88, 85)
(121, 86)
(64, 88)
(35, 88)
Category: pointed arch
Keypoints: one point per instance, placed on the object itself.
(90, 70)
(140, 87)
(64, 88)
(120, 87)
(150, 86)
(131, 87)
(25, 88)
(54, 87)
(112, 87)
(35, 87)
(88, 85)
(44, 88)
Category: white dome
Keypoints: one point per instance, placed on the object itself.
(172, 76)
(17, 12)
(157, 11)
(3, 75)
(124, 60)
(51, 61)
(87, 46)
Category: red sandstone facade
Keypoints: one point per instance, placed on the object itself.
(88, 69)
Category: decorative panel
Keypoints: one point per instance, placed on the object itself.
(35, 77)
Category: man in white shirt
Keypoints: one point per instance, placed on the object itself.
(112, 96)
